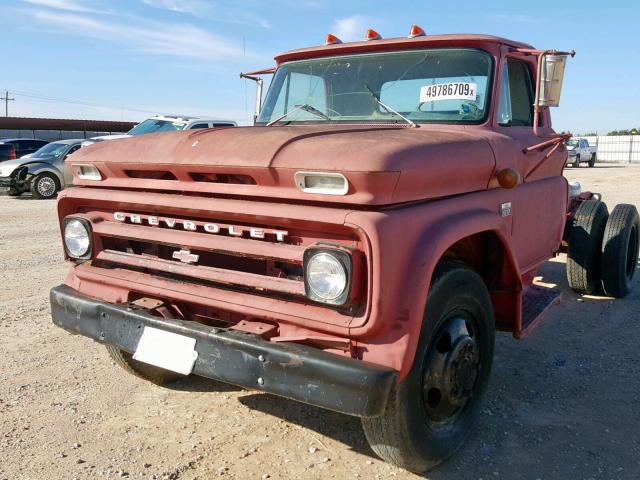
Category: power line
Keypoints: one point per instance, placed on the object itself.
(6, 102)
(48, 98)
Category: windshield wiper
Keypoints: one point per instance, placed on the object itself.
(306, 107)
(387, 107)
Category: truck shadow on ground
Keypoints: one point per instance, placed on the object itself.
(343, 428)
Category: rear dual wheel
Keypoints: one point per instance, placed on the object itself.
(620, 250)
(603, 249)
(585, 246)
(430, 413)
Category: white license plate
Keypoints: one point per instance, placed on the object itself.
(167, 350)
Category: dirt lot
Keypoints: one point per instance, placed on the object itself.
(562, 404)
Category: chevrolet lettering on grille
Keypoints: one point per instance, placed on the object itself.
(195, 226)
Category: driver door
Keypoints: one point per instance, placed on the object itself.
(539, 202)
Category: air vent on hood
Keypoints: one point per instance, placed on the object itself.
(222, 178)
(150, 174)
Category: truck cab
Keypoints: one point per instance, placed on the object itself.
(357, 248)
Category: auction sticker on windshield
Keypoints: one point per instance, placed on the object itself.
(449, 91)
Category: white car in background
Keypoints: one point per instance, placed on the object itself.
(165, 123)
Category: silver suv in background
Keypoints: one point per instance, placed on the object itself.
(165, 123)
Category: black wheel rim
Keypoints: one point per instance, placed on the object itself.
(451, 370)
(632, 252)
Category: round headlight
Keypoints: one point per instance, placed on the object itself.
(326, 276)
(76, 238)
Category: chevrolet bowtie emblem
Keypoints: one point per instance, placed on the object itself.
(185, 256)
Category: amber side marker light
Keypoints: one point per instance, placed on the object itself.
(372, 35)
(416, 31)
(508, 178)
(331, 39)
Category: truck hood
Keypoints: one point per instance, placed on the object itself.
(384, 164)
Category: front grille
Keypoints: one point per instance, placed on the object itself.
(260, 259)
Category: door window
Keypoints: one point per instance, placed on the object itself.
(199, 125)
(516, 95)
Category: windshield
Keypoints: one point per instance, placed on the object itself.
(572, 143)
(443, 86)
(51, 150)
(152, 125)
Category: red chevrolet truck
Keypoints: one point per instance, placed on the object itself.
(358, 247)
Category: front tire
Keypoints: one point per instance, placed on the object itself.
(152, 374)
(576, 162)
(45, 186)
(430, 413)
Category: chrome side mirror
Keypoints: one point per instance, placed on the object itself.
(259, 85)
(551, 77)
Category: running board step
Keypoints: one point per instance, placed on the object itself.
(536, 302)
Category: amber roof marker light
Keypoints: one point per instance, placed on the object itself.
(331, 39)
(372, 35)
(416, 31)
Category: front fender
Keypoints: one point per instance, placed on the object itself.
(37, 168)
(406, 245)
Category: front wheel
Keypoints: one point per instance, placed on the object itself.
(45, 186)
(430, 413)
(576, 162)
(152, 374)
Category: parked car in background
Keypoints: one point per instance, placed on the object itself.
(43, 173)
(165, 123)
(580, 151)
(11, 148)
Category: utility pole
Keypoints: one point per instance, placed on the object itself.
(6, 102)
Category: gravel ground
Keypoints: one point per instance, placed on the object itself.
(562, 404)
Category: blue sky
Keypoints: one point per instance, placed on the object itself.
(130, 59)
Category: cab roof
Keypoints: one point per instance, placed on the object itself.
(401, 43)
